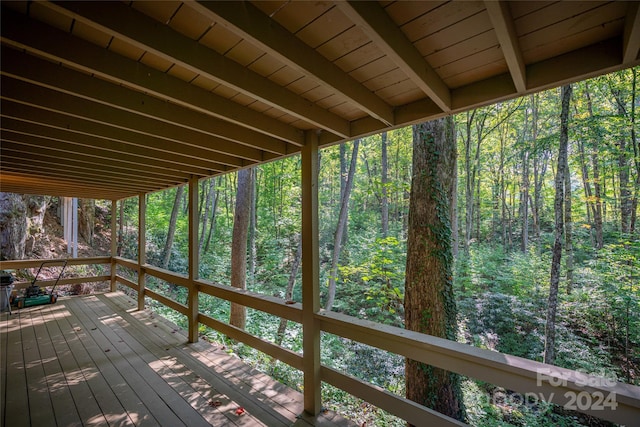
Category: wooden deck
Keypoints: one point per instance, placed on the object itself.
(95, 360)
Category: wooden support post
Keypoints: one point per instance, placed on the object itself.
(194, 258)
(114, 243)
(142, 244)
(310, 275)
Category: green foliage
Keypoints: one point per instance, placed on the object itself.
(500, 291)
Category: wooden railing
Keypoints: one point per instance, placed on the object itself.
(35, 263)
(603, 398)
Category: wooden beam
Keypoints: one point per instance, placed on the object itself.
(557, 385)
(372, 18)
(14, 163)
(106, 149)
(124, 22)
(502, 21)
(75, 162)
(144, 113)
(24, 33)
(114, 244)
(25, 183)
(201, 151)
(579, 64)
(251, 24)
(310, 275)
(408, 410)
(28, 149)
(142, 247)
(194, 261)
(269, 304)
(631, 40)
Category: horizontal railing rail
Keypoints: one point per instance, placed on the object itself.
(549, 383)
(36, 263)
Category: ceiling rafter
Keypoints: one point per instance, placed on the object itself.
(117, 171)
(32, 68)
(252, 24)
(631, 41)
(83, 177)
(129, 165)
(55, 123)
(505, 31)
(387, 36)
(143, 32)
(105, 150)
(85, 174)
(25, 183)
(25, 33)
(65, 111)
(76, 100)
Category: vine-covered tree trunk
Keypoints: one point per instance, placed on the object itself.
(429, 302)
(340, 228)
(171, 230)
(558, 205)
(238, 315)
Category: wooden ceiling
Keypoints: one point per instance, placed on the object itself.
(108, 100)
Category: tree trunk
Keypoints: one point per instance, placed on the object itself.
(539, 169)
(429, 301)
(588, 193)
(454, 208)
(13, 226)
(468, 189)
(384, 209)
(205, 210)
(550, 329)
(626, 199)
(636, 153)
(288, 294)
(340, 228)
(595, 163)
(568, 222)
(87, 219)
(253, 224)
(524, 202)
(172, 227)
(241, 220)
(212, 222)
(121, 227)
(344, 176)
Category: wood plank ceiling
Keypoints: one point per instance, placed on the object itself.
(107, 100)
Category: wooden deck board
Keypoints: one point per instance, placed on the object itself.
(96, 360)
(76, 378)
(64, 407)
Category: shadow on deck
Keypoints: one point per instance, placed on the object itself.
(95, 360)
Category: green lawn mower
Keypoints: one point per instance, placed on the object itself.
(34, 294)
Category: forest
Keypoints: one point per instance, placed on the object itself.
(522, 193)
